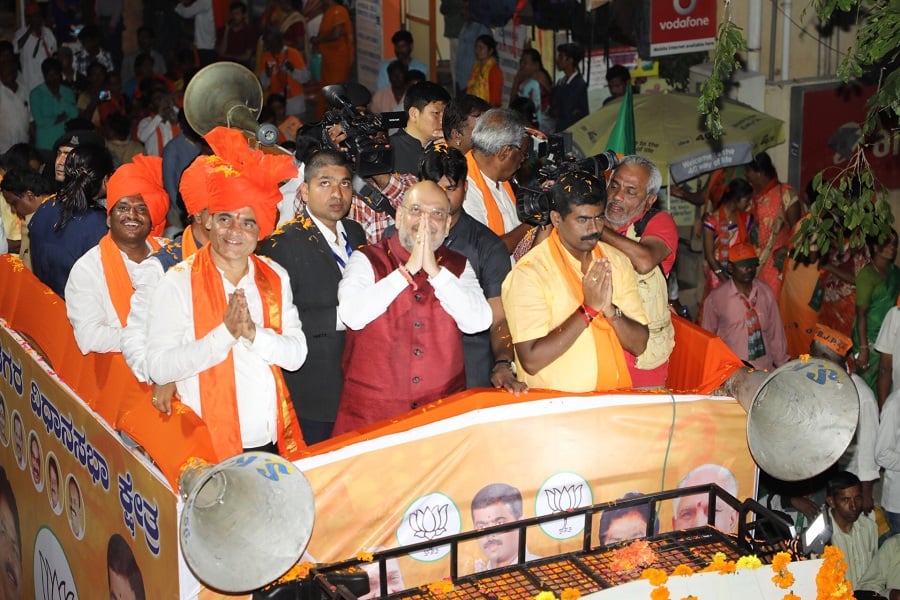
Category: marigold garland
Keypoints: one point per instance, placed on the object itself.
(660, 593)
(570, 594)
(830, 581)
(656, 577)
(440, 588)
(748, 562)
(782, 578)
(365, 556)
(545, 596)
(682, 570)
(720, 564)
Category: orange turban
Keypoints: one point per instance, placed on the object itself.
(193, 183)
(144, 177)
(228, 190)
(833, 339)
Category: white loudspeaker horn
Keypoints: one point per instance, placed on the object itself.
(245, 521)
(801, 417)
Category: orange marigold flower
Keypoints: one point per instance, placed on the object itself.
(660, 593)
(570, 594)
(780, 561)
(783, 579)
(655, 576)
(683, 570)
(364, 556)
(440, 588)
(790, 596)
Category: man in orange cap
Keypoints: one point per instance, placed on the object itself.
(744, 313)
(99, 289)
(223, 324)
(859, 458)
(147, 275)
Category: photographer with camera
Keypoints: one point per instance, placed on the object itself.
(499, 145)
(649, 238)
(424, 104)
(572, 303)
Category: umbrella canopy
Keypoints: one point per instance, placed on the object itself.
(669, 131)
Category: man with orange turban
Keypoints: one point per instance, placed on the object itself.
(223, 323)
(99, 289)
(147, 275)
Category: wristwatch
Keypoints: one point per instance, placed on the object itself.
(504, 361)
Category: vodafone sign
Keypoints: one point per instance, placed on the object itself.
(678, 26)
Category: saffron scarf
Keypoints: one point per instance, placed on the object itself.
(218, 393)
(188, 243)
(612, 368)
(494, 216)
(118, 282)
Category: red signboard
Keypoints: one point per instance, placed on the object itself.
(678, 26)
(824, 110)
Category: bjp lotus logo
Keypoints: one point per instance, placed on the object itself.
(430, 522)
(564, 499)
(428, 518)
(562, 493)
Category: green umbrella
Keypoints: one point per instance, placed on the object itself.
(669, 131)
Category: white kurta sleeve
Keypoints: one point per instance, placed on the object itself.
(463, 299)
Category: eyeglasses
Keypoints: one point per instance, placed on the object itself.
(416, 211)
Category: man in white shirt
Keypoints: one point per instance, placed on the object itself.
(159, 127)
(14, 125)
(499, 145)
(99, 288)
(201, 11)
(223, 324)
(34, 43)
(406, 302)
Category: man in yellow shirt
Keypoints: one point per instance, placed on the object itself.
(572, 302)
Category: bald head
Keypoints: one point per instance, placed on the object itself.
(424, 203)
(693, 511)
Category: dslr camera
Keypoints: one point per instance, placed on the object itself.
(533, 204)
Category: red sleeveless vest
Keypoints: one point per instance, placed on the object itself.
(410, 355)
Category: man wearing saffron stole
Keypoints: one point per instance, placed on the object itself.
(499, 145)
(572, 301)
(147, 275)
(406, 302)
(223, 324)
(99, 288)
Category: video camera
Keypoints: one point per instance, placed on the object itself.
(533, 205)
(369, 157)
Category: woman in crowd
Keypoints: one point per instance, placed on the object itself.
(728, 226)
(335, 44)
(70, 224)
(877, 286)
(486, 80)
(777, 209)
(24, 190)
(532, 81)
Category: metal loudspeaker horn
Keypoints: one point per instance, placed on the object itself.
(801, 417)
(245, 521)
(229, 95)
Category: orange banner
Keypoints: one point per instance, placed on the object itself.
(445, 476)
(89, 516)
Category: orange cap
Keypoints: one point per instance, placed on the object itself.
(743, 253)
(142, 176)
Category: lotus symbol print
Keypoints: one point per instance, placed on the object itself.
(564, 499)
(429, 518)
(563, 493)
(429, 523)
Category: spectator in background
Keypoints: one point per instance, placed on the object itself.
(93, 92)
(71, 223)
(532, 81)
(34, 43)
(287, 124)
(470, 31)
(877, 287)
(14, 96)
(177, 156)
(90, 52)
(144, 76)
(118, 142)
(617, 79)
(390, 98)
(569, 101)
(424, 103)
(201, 12)
(486, 78)
(52, 104)
(335, 42)
(284, 72)
(66, 58)
(144, 46)
(237, 38)
(161, 125)
(403, 47)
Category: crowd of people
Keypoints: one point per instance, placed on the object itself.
(267, 295)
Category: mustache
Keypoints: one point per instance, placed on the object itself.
(591, 237)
